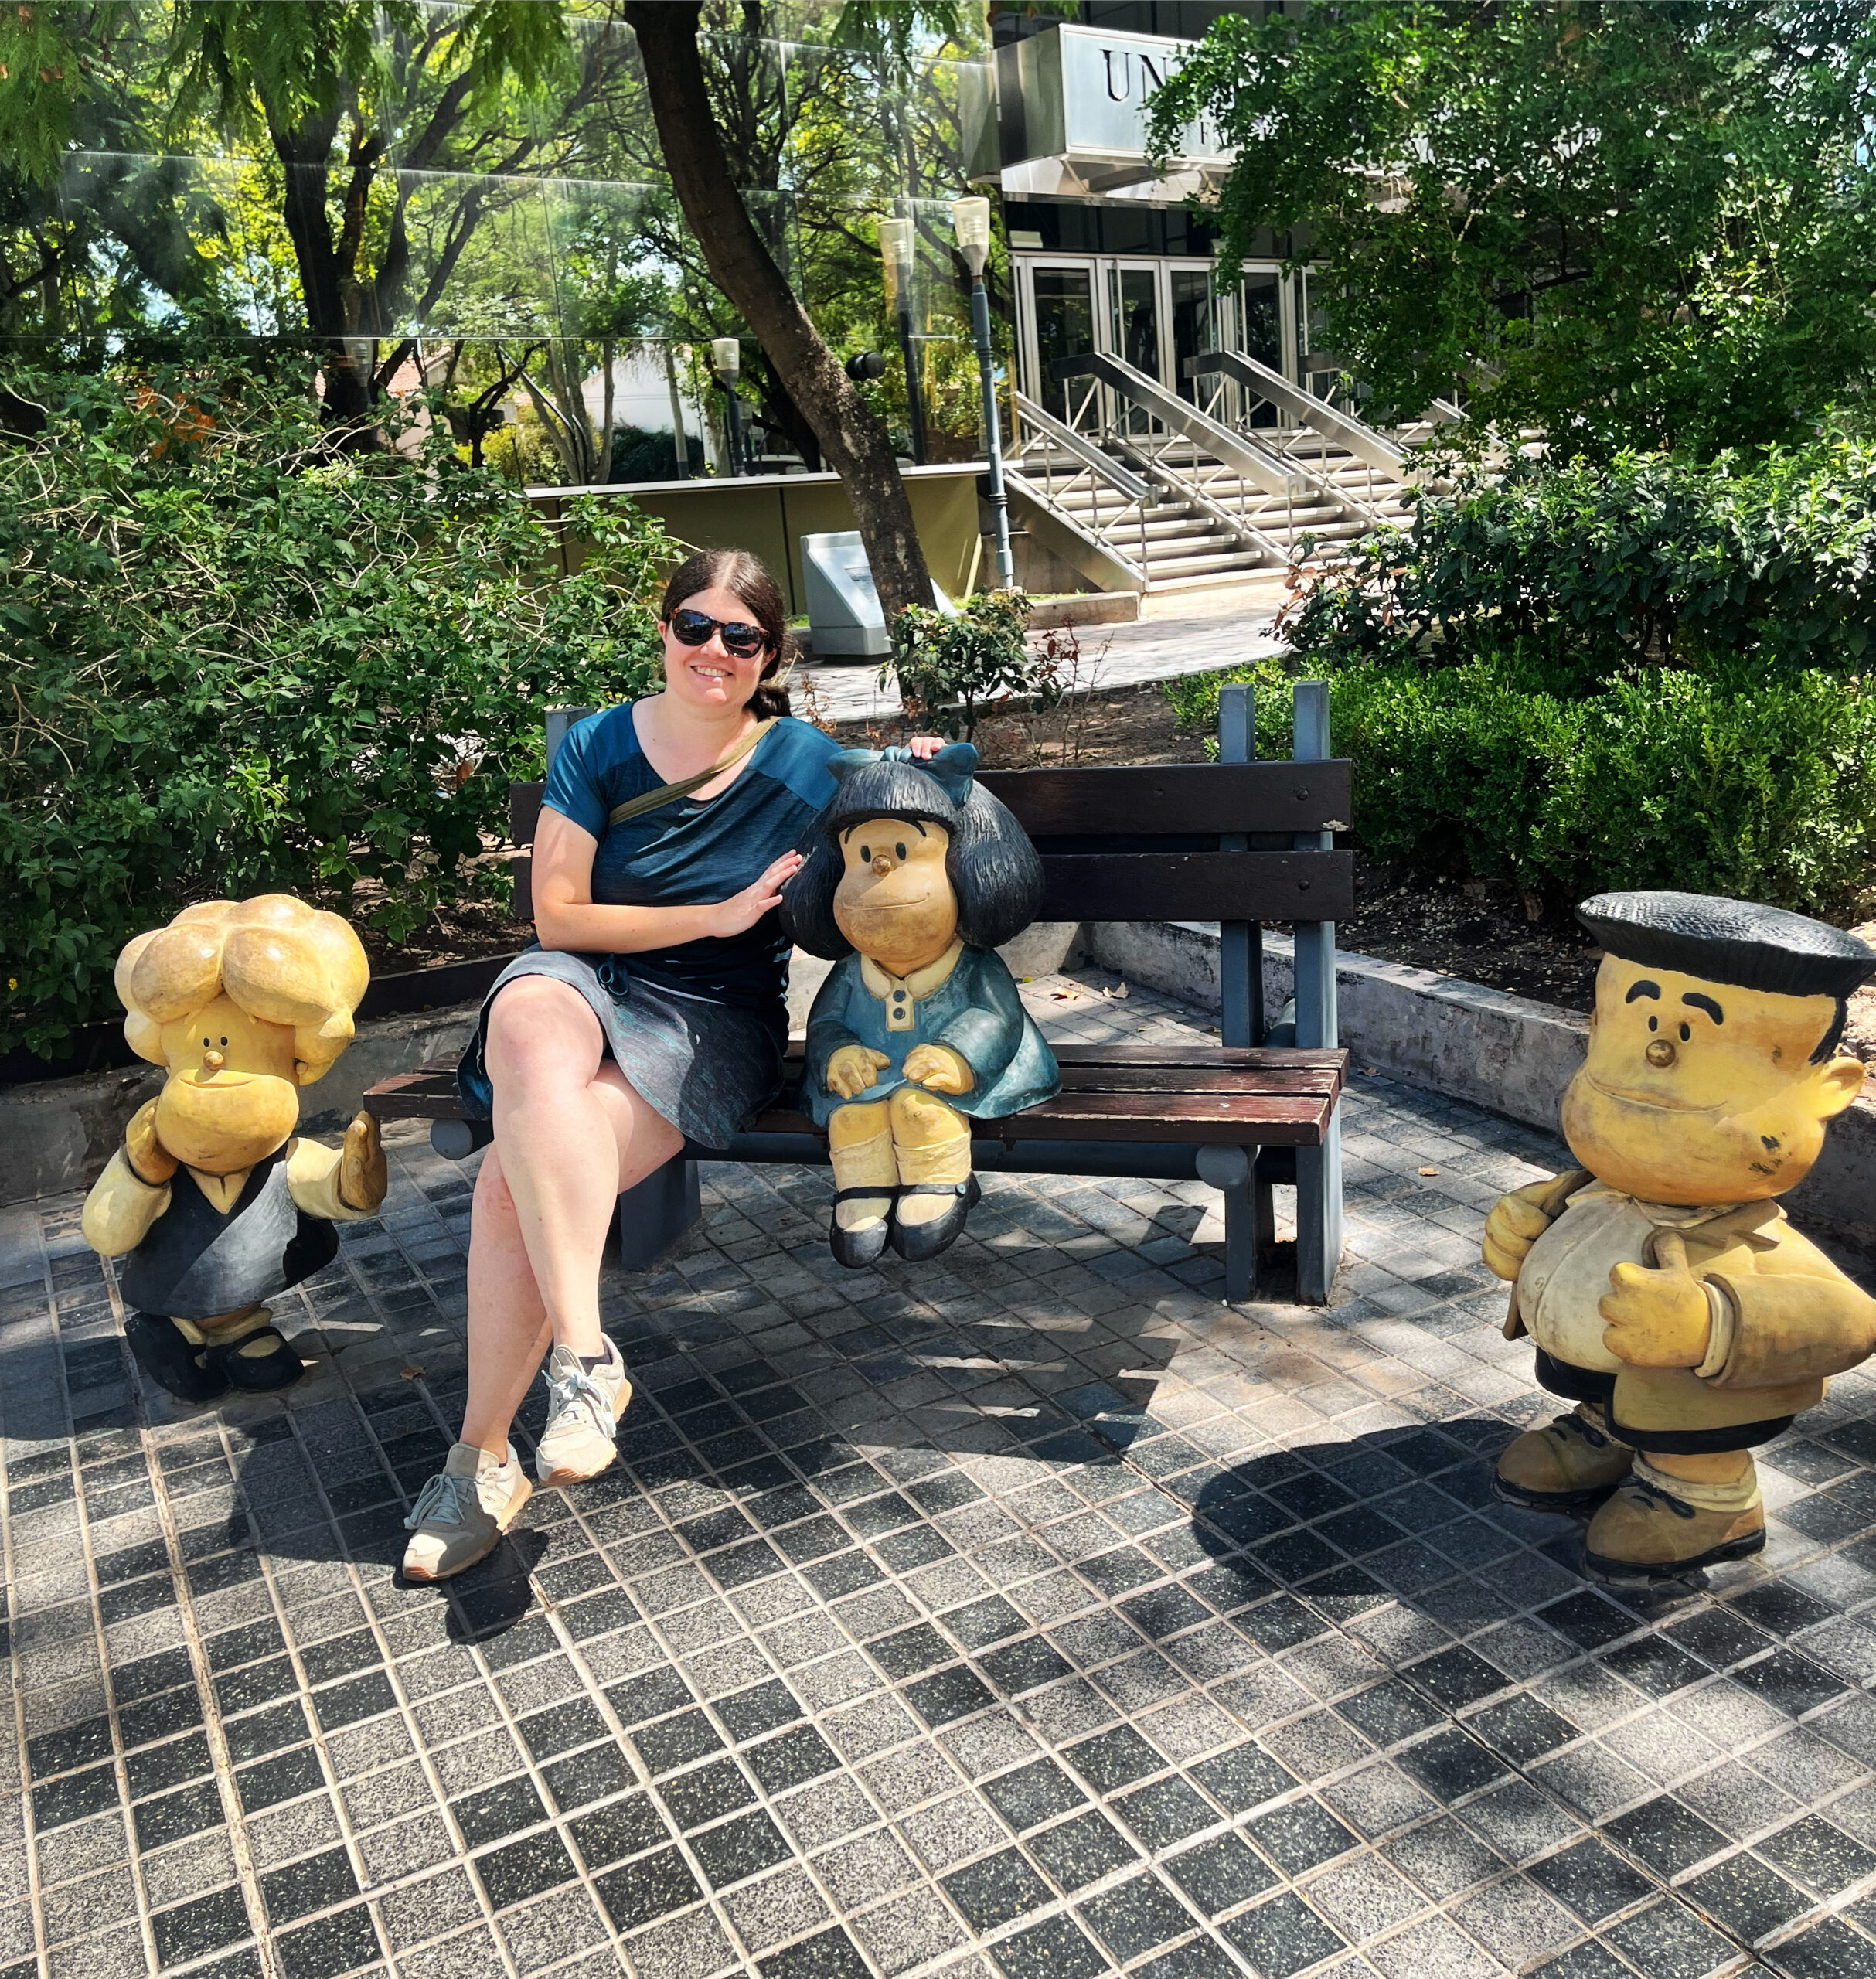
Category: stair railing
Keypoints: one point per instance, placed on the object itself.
(1053, 456)
(1172, 444)
(1232, 386)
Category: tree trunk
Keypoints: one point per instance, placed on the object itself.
(854, 442)
(304, 153)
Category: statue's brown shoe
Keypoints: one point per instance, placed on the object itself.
(1645, 1534)
(1566, 1465)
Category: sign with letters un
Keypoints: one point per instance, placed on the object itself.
(1085, 93)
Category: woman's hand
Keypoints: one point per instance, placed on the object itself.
(924, 748)
(740, 912)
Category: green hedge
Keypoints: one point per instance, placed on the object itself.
(1644, 679)
(235, 659)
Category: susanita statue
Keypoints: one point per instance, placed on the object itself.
(915, 877)
(1667, 1296)
(213, 1205)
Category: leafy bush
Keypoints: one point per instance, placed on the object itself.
(235, 660)
(1645, 676)
(949, 666)
(1666, 780)
(1736, 562)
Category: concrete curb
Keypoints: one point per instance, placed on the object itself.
(1509, 1054)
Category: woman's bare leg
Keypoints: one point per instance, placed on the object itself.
(508, 1333)
(570, 1134)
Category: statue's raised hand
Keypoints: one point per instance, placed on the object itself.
(150, 1160)
(363, 1177)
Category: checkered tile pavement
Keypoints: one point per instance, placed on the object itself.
(1033, 1616)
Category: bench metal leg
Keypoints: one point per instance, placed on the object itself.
(1233, 1172)
(655, 1213)
(1240, 1242)
(1319, 1216)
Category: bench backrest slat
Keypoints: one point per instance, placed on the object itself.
(1171, 800)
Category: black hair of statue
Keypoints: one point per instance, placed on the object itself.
(992, 868)
(1737, 942)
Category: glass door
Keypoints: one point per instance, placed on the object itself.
(1133, 321)
(1194, 314)
(1059, 310)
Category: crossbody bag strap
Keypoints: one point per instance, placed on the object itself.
(668, 793)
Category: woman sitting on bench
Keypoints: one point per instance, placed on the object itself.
(653, 1010)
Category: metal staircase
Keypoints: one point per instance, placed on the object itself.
(1142, 489)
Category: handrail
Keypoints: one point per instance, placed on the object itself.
(1122, 480)
(1244, 456)
(1376, 449)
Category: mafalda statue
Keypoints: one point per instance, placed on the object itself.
(913, 878)
(1668, 1296)
(216, 1203)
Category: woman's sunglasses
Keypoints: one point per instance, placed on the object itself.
(740, 642)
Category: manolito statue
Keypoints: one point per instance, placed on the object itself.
(1667, 1296)
(213, 1205)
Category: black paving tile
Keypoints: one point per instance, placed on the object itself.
(1746, 1898)
(518, 1870)
(1592, 1879)
(1136, 1916)
(1055, 1949)
(322, 1950)
(1218, 1875)
(314, 1884)
(1282, 1937)
(827, 1955)
(625, 1827)
(1081, 1851)
(204, 1924)
(653, 1888)
(996, 1891)
(1667, 1836)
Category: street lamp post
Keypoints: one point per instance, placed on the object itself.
(896, 248)
(726, 360)
(971, 217)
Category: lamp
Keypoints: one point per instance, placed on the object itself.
(896, 252)
(727, 361)
(971, 219)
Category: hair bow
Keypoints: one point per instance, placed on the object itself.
(952, 768)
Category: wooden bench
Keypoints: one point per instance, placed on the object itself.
(1238, 842)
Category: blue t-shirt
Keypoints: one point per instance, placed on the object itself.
(689, 853)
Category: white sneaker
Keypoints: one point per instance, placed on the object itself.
(582, 1416)
(461, 1513)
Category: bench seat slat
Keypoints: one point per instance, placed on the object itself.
(1197, 1079)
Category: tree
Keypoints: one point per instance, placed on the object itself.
(1623, 222)
(332, 96)
(852, 438)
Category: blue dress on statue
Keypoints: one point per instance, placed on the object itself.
(974, 1007)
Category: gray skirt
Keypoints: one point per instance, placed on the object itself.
(708, 1067)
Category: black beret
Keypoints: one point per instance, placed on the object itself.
(1730, 940)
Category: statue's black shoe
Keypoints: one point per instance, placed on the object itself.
(916, 1241)
(261, 1362)
(175, 1367)
(855, 1248)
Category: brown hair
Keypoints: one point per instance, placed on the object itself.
(750, 578)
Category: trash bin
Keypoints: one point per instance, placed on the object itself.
(845, 620)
